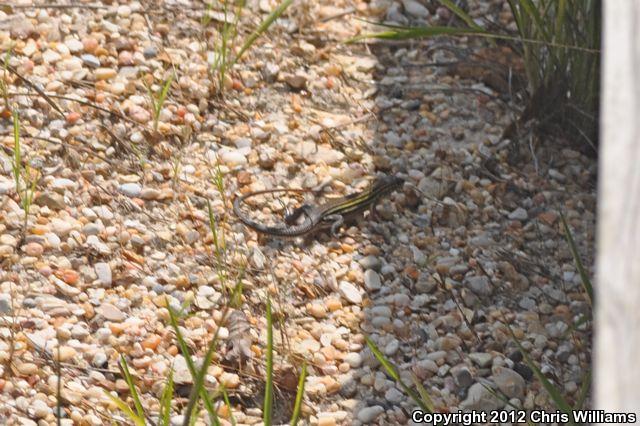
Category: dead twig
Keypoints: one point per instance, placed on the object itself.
(46, 97)
(55, 6)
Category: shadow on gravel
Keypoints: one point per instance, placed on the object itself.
(478, 252)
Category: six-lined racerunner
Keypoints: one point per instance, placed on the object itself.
(328, 215)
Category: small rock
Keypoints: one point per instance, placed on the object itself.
(105, 73)
(94, 242)
(296, 81)
(230, 380)
(510, 383)
(425, 368)
(22, 28)
(317, 310)
(90, 60)
(553, 173)
(372, 280)
(371, 262)
(326, 155)
(233, 158)
(103, 271)
(8, 239)
(74, 45)
(5, 304)
(51, 199)
(89, 44)
(394, 396)
(40, 409)
(27, 368)
(60, 227)
(150, 52)
(365, 63)
(92, 229)
(415, 9)
(479, 285)
(483, 359)
(368, 414)
(353, 359)
(150, 194)
(479, 398)
(111, 313)
(308, 345)
(518, 214)
(270, 72)
(130, 189)
(350, 292)
(181, 374)
(124, 11)
(463, 378)
(51, 56)
(99, 359)
(381, 311)
(482, 240)
(392, 347)
(33, 249)
(62, 184)
(527, 303)
(523, 370)
(326, 421)
(151, 342)
(65, 353)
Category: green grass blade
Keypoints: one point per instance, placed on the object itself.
(532, 11)
(517, 16)
(213, 226)
(584, 277)
(132, 387)
(264, 26)
(504, 399)
(164, 92)
(227, 402)
(198, 389)
(393, 373)
(165, 401)
(206, 16)
(574, 326)
(388, 366)
(297, 407)
(405, 33)
(584, 390)
(423, 393)
(267, 411)
(194, 418)
(561, 8)
(17, 156)
(138, 421)
(461, 14)
(553, 391)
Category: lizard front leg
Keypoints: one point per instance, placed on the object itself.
(337, 220)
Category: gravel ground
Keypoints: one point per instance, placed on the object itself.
(119, 225)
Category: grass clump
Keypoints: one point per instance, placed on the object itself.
(224, 47)
(555, 393)
(158, 98)
(558, 41)
(25, 177)
(420, 398)
(135, 412)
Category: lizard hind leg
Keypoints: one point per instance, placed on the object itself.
(292, 218)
